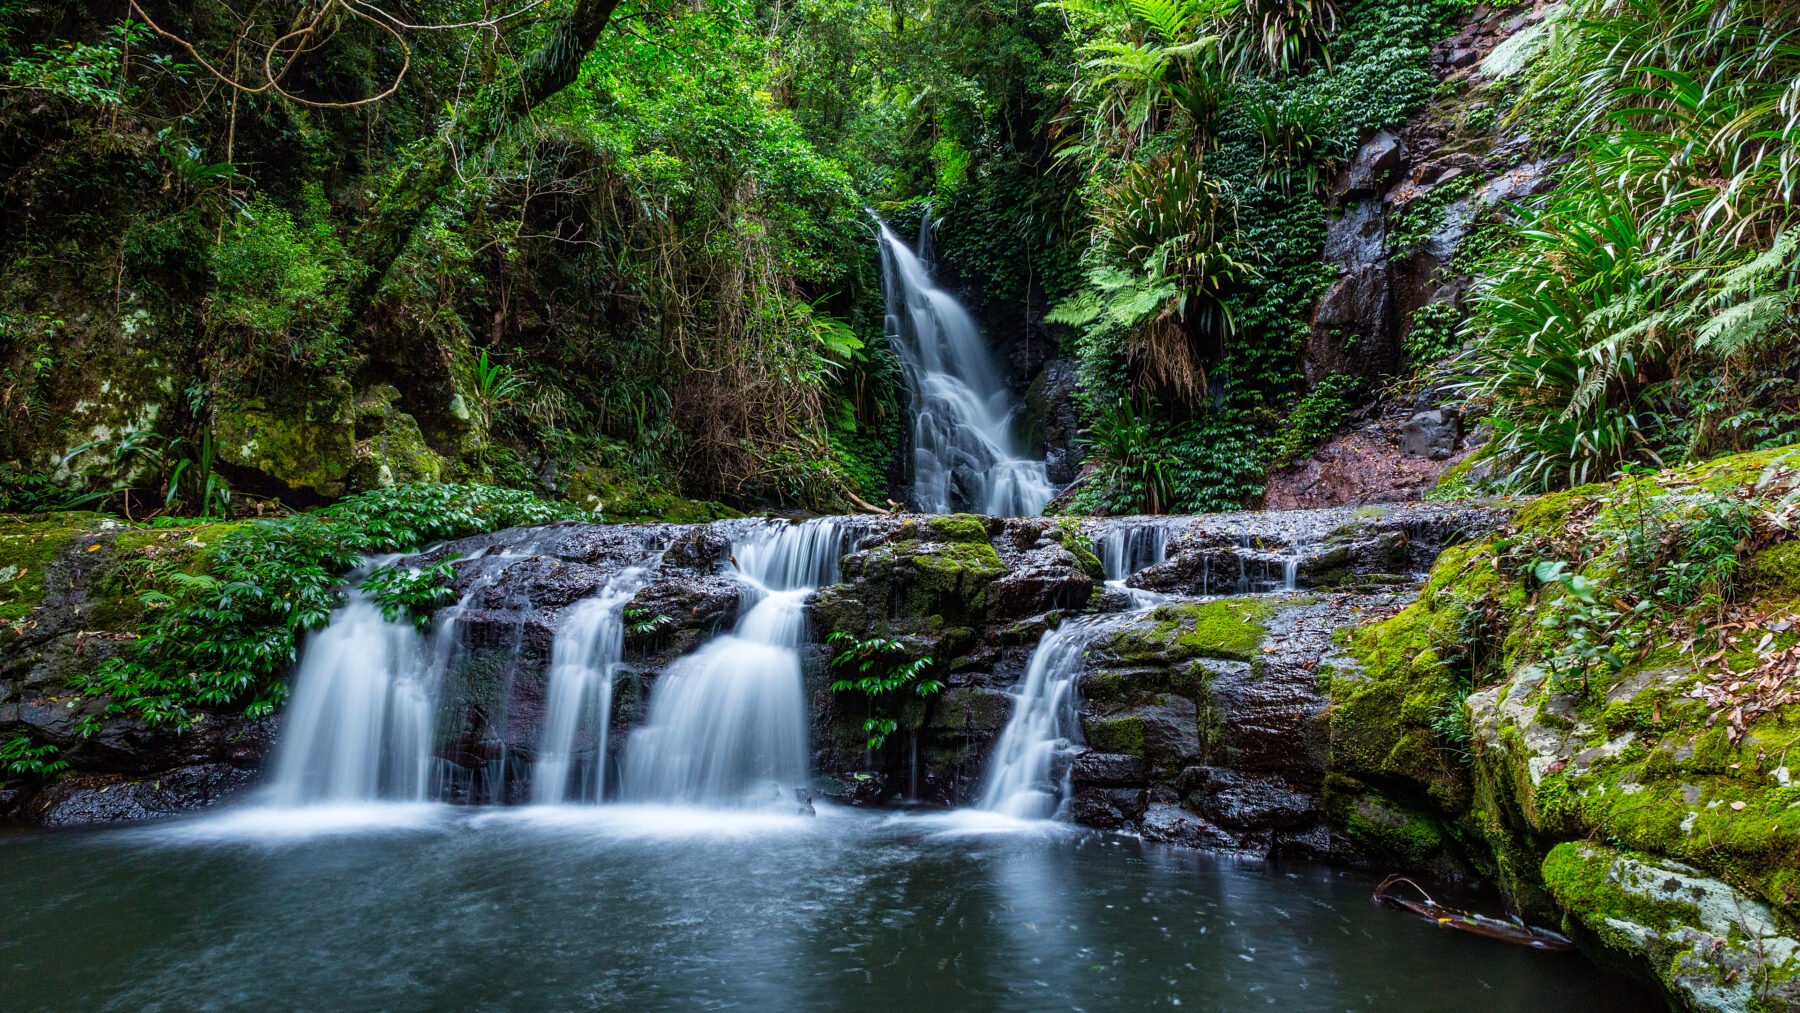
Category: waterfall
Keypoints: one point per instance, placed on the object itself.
(584, 660)
(360, 726)
(1023, 779)
(964, 453)
(1124, 549)
(728, 724)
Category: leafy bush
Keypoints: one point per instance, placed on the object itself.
(876, 668)
(1314, 418)
(225, 636)
(1666, 256)
(277, 280)
(19, 756)
(405, 592)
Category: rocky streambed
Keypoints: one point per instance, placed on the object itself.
(1275, 685)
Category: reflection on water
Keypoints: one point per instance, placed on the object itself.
(660, 908)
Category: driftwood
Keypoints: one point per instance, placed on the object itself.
(1505, 930)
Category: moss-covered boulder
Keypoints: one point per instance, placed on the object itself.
(308, 448)
(1708, 945)
(1619, 666)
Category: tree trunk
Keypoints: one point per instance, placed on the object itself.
(478, 123)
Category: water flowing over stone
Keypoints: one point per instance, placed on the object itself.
(965, 456)
(1027, 777)
(727, 724)
(360, 726)
(1126, 547)
(585, 659)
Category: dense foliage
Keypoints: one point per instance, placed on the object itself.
(1204, 136)
(221, 628)
(241, 268)
(1649, 312)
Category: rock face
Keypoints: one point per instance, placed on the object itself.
(1645, 801)
(1204, 726)
(1406, 201)
(1432, 434)
(974, 594)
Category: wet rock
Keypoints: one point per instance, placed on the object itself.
(1163, 731)
(1051, 580)
(860, 788)
(1170, 824)
(103, 798)
(1107, 808)
(1246, 801)
(1053, 421)
(700, 549)
(1109, 769)
(1374, 165)
(679, 609)
(1432, 434)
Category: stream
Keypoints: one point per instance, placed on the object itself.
(436, 907)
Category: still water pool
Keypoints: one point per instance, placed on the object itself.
(616, 907)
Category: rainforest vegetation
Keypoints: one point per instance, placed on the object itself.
(623, 255)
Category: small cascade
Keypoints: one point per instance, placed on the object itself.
(360, 726)
(1257, 568)
(1124, 549)
(964, 454)
(727, 724)
(1028, 775)
(584, 660)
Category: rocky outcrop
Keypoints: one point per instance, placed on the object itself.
(1593, 734)
(1408, 198)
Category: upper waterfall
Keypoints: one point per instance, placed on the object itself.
(965, 456)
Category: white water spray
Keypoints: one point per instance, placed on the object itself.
(584, 661)
(727, 724)
(964, 453)
(1023, 776)
(360, 726)
(1126, 548)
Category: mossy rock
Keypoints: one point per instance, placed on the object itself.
(1709, 947)
(1232, 630)
(1388, 830)
(390, 448)
(29, 545)
(958, 528)
(954, 572)
(310, 448)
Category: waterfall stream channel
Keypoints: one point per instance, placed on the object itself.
(667, 849)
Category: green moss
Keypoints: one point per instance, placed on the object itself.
(1387, 829)
(311, 447)
(1384, 724)
(1579, 878)
(390, 448)
(958, 528)
(958, 568)
(1230, 630)
(1121, 734)
(1080, 546)
(1776, 570)
(28, 546)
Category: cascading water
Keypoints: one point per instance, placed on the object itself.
(1124, 549)
(727, 723)
(1023, 780)
(964, 453)
(584, 660)
(360, 725)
